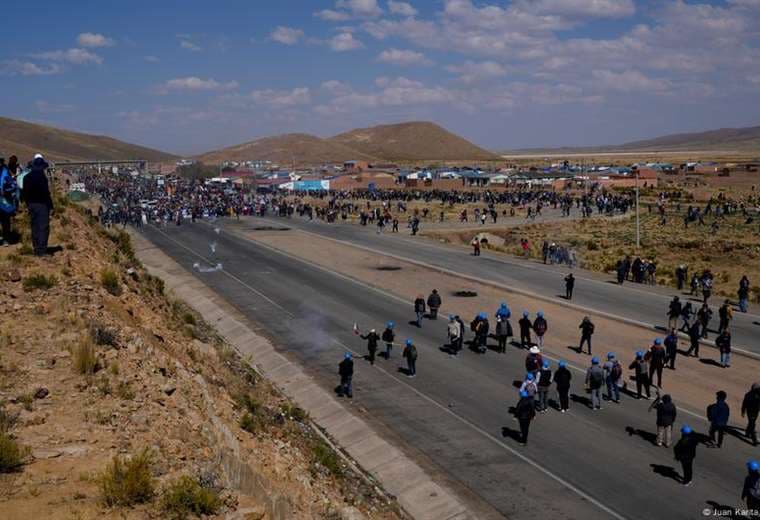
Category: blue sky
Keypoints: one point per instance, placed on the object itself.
(187, 75)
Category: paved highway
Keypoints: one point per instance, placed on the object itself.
(592, 290)
(454, 414)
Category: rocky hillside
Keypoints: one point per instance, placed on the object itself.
(299, 149)
(413, 141)
(118, 401)
(25, 139)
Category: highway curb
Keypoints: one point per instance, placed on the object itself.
(523, 292)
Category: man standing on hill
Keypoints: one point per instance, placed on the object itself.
(36, 194)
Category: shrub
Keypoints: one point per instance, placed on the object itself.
(127, 482)
(187, 496)
(102, 335)
(110, 281)
(85, 360)
(39, 281)
(7, 421)
(326, 457)
(11, 454)
(248, 422)
(124, 391)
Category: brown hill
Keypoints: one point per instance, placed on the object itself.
(287, 149)
(413, 141)
(25, 139)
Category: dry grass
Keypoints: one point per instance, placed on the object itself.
(126, 482)
(85, 360)
(186, 496)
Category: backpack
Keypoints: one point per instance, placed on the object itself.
(596, 378)
(616, 372)
(413, 353)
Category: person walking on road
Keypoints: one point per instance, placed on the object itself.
(410, 354)
(671, 348)
(453, 332)
(674, 312)
(743, 293)
(613, 372)
(460, 341)
(540, 326)
(704, 315)
(534, 361)
(481, 327)
(504, 313)
(587, 330)
(502, 333)
(751, 487)
(525, 411)
(388, 338)
(657, 357)
(434, 303)
(569, 286)
(726, 314)
(594, 382)
(372, 338)
(694, 336)
(750, 409)
(666, 416)
(419, 309)
(346, 373)
(525, 326)
(641, 374)
(562, 378)
(685, 451)
(723, 342)
(544, 383)
(686, 315)
(475, 246)
(718, 414)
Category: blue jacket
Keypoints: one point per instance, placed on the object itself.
(8, 193)
(718, 413)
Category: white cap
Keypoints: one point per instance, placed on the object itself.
(534, 350)
(38, 156)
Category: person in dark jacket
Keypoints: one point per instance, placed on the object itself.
(525, 411)
(685, 452)
(388, 338)
(750, 408)
(419, 309)
(410, 354)
(666, 416)
(346, 373)
(726, 314)
(743, 293)
(434, 303)
(36, 194)
(540, 326)
(569, 286)
(674, 312)
(544, 382)
(562, 378)
(657, 357)
(502, 333)
(460, 341)
(671, 347)
(718, 414)
(704, 315)
(723, 342)
(694, 336)
(372, 338)
(587, 330)
(481, 327)
(751, 487)
(641, 373)
(525, 326)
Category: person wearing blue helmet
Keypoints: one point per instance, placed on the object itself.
(751, 488)
(640, 368)
(657, 357)
(480, 327)
(594, 382)
(388, 338)
(525, 326)
(562, 378)
(410, 354)
(613, 373)
(540, 326)
(685, 451)
(503, 311)
(503, 331)
(529, 385)
(544, 382)
(525, 411)
(346, 373)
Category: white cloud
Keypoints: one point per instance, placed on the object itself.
(27, 68)
(360, 7)
(75, 56)
(401, 8)
(473, 72)
(335, 87)
(88, 39)
(331, 15)
(581, 8)
(286, 35)
(151, 59)
(403, 57)
(282, 98)
(194, 83)
(53, 108)
(190, 46)
(344, 42)
(628, 81)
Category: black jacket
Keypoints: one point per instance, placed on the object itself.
(388, 336)
(562, 377)
(686, 448)
(372, 339)
(526, 408)
(674, 310)
(666, 413)
(346, 368)
(36, 189)
(751, 402)
(434, 301)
